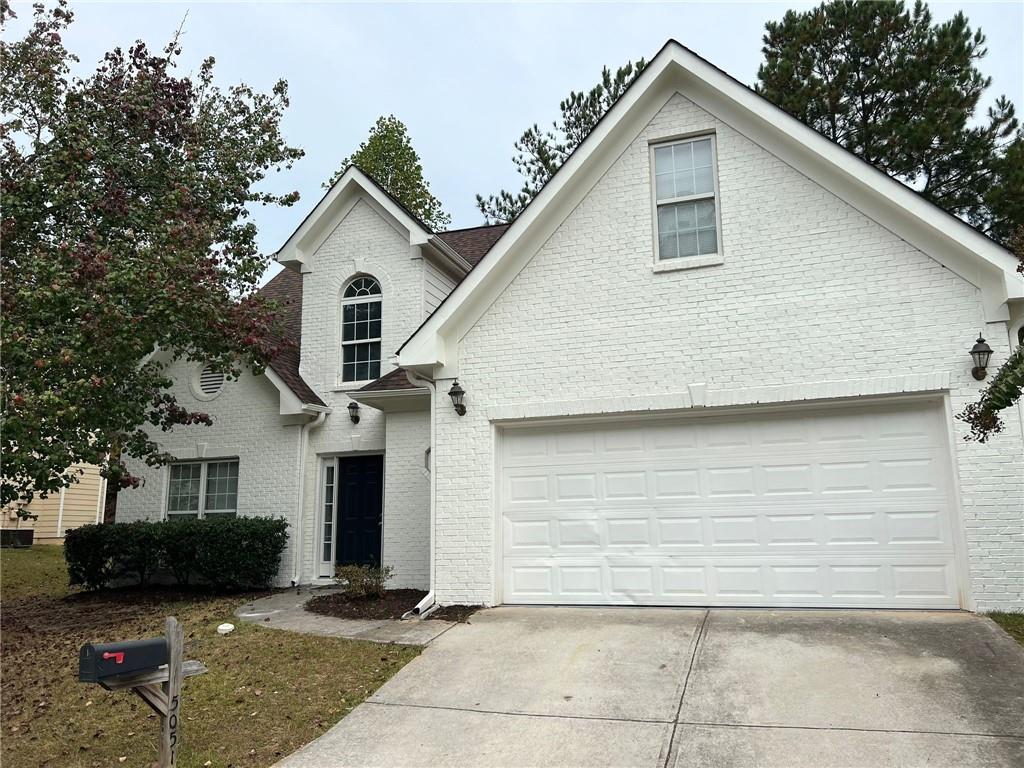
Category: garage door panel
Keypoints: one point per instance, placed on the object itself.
(848, 506)
(847, 582)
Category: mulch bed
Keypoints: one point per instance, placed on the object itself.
(394, 603)
(459, 613)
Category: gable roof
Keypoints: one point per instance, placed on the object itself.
(353, 185)
(473, 242)
(286, 289)
(675, 68)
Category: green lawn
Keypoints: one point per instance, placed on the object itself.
(267, 692)
(1012, 622)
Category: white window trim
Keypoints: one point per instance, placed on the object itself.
(203, 465)
(686, 262)
(342, 385)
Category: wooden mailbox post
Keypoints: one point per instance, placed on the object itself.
(160, 687)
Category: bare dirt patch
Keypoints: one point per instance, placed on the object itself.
(459, 613)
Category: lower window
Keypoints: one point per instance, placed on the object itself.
(203, 489)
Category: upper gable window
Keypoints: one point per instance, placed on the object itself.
(360, 330)
(686, 192)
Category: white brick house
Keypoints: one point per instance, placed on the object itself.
(717, 361)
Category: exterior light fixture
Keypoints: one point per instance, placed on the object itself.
(980, 352)
(458, 394)
(353, 412)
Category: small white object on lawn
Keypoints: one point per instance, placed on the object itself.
(225, 628)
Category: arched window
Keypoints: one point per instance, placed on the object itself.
(360, 330)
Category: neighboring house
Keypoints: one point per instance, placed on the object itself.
(80, 503)
(717, 361)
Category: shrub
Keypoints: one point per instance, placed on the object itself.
(136, 548)
(88, 551)
(361, 582)
(240, 552)
(227, 554)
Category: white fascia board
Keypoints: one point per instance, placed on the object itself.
(353, 186)
(290, 404)
(447, 256)
(945, 238)
(431, 344)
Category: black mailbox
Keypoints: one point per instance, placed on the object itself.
(101, 661)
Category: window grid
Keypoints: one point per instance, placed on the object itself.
(684, 179)
(201, 489)
(328, 513)
(361, 330)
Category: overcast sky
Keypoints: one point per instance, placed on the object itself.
(466, 78)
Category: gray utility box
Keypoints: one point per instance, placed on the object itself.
(102, 661)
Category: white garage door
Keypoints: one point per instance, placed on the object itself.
(838, 507)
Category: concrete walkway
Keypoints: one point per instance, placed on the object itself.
(670, 688)
(285, 610)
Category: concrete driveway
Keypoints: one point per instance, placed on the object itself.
(670, 688)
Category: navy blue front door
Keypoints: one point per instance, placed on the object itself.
(360, 493)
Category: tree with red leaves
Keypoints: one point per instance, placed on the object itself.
(125, 230)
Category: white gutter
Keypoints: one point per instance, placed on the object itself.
(427, 603)
(306, 428)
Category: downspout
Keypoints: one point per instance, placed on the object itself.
(60, 514)
(304, 431)
(427, 604)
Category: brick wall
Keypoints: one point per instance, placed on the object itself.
(811, 290)
(246, 425)
(406, 535)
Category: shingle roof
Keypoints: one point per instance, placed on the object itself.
(390, 382)
(286, 289)
(472, 243)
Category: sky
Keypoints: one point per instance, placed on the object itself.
(466, 78)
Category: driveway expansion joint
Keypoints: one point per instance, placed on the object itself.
(853, 729)
(686, 682)
(602, 718)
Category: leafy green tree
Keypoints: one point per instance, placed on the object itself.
(1006, 385)
(388, 156)
(902, 93)
(126, 230)
(540, 153)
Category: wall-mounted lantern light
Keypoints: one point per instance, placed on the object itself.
(980, 352)
(458, 394)
(353, 412)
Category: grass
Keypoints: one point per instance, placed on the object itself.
(1012, 622)
(267, 693)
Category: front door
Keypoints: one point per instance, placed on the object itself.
(360, 496)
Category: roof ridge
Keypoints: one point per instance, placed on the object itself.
(479, 226)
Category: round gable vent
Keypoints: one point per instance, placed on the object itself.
(209, 384)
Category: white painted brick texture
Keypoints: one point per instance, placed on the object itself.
(811, 290)
(245, 426)
(406, 536)
(247, 422)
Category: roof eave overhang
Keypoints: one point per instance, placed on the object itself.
(394, 401)
(945, 238)
(353, 186)
(291, 404)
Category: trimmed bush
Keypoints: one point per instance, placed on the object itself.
(225, 553)
(360, 582)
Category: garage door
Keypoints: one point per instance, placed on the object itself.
(838, 507)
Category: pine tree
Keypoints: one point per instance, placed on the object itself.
(387, 155)
(901, 92)
(540, 153)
